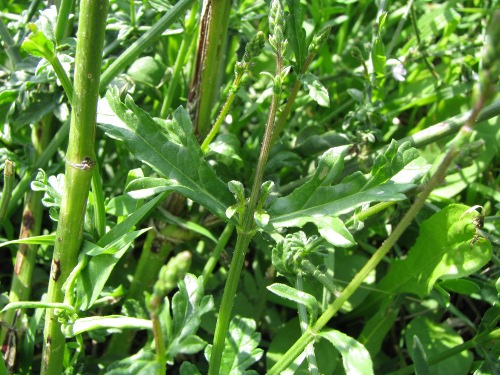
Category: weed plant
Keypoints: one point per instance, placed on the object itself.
(240, 187)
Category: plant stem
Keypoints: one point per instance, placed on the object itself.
(179, 61)
(320, 276)
(63, 77)
(280, 124)
(214, 258)
(438, 176)
(304, 324)
(146, 40)
(62, 19)
(20, 289)
(159, 341)
(80, 162)
(222, 115)
(212, 37)
(8, 186)
(246, 227)
(132, 13)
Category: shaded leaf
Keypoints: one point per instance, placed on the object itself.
(355, 357)
(436, 338)
(142, 363)
(170, 148)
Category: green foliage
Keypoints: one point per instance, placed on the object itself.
(171, 149)
(281, 219)
(240, 351)
(447, 248)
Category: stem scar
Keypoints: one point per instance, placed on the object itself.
(56, 269)
(86, 165)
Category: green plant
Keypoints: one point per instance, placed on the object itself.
(331, 204)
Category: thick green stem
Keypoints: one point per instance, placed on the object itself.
(180, 60)
(149, 37)
(79, 164)
(62, 19)
(213, 30)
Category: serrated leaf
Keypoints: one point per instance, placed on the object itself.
(171, 150)
(446, 248)
(316, 89)
(292, 294)
(240, 348)
(316, 199)
(188, 306)
(355, 357)
(295, 32)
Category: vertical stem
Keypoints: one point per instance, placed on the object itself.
(79, 164)
(246, 229)
(20, 289)
(213, 30)
(304, 323)
(179, 61)
(63, 12)
(8, 186)
(214, 258)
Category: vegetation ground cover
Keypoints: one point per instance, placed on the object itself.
(240, 187)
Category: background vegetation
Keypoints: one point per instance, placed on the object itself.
(249, 187)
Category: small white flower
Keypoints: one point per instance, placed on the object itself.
(397, 69)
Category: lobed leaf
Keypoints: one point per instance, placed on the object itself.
(316, 201)
(171, 149)
(189, 304)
